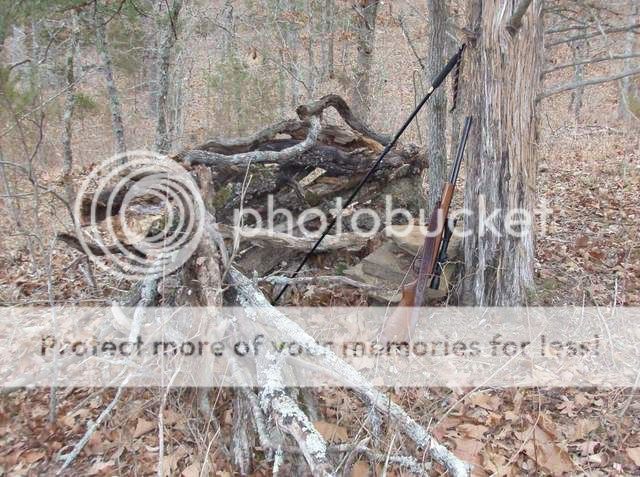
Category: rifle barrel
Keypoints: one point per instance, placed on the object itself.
(460, 152)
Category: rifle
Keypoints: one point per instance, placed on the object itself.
(434, 253)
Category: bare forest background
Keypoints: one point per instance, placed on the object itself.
(83, 80)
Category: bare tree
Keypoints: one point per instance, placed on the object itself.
(436, 142)
(328, 15)
(365, 25)
(168, 25)
(69, 105)
(290, 34)
(578, 76)
(504, 60)
(112, 90)
(593, 28)
(626, 91)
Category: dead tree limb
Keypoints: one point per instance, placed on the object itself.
(98, 251)
(148, 293)
(590, 82)
(515, 22)
(322, 279)
(276, 402)
(346, 241)
(341, 106)
(292, 127)
(295, 128)
(255, 157)
(251, 298)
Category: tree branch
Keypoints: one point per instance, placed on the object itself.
(248, 143)
(275, 402)
(341, 106)
(292, 127)
(515, 22)
(324, 279)
(346, 241)
(586, 36)
(255, 157)
(590, 61)
(252, 299)
(590, 82)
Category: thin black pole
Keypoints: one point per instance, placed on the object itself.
(455, 59)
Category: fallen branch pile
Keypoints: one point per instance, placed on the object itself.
(274, 416)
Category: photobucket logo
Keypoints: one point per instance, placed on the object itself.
(368, 221)
(143, 212)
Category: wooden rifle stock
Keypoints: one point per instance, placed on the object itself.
(402, 323)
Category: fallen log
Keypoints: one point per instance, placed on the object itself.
(254, 157)
(347, 241)
(295, 128)
(252, 299)
(279, 166)
(340, 105)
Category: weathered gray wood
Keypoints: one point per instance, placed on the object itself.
(346, 241)
(69, 104)
(340, 105)
(499, 266)
(255, 157)
(251, 298)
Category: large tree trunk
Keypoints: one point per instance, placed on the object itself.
(437, 106)
(365, 21)
(503, 77)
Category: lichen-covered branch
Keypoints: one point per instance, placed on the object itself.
(250, 297)
(255, 157)
(275, 402)
(346, 241)
(292, 127)
(343, 109)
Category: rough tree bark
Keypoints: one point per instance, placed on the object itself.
(112, 91)
(169, 28)
(436, 142)
(365, 23)
(503, 72)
